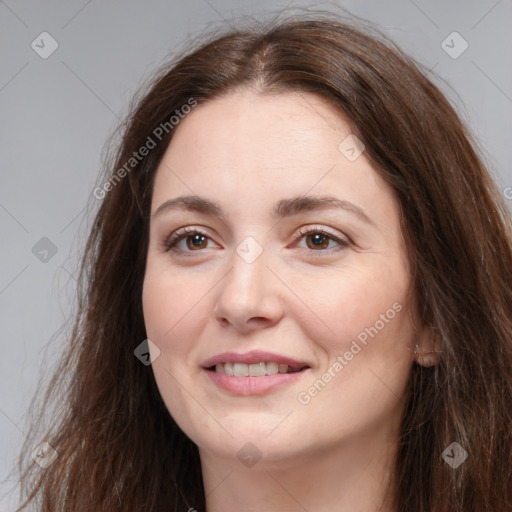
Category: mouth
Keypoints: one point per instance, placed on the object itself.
(253, 364)
(253, 373)
(261, 369)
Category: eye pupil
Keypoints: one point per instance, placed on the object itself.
(196, 238)
(319, 240)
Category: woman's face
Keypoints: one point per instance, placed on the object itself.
(271, 276)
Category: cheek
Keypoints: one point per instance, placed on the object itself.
(167, 299)
(155, 301)
(169, 315)
(176, 310)
(352, 303)
(367, 361)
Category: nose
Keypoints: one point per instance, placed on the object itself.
(249, 296)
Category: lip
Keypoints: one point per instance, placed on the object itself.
(244, 386)
(253, 357)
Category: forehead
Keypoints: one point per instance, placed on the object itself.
(261, 130)
(247, 145)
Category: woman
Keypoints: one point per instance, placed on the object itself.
(297, 294)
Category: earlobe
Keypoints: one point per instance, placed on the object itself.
(428, 350)
(428, 359)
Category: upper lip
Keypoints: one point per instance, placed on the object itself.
(255, 356)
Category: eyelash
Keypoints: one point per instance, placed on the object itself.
(169, 244)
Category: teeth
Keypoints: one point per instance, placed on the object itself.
(257, 370)
(240, 370)
(228, 369)
(253, 370)
(272, 368)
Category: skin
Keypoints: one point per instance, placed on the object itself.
(246, 151)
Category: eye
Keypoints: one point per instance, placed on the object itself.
(194, 239)
(318, 240)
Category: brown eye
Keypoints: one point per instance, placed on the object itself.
(194, 240)
(318, 241)
(197, 241)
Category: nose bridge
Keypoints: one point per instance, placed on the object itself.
(248, 290)
(248, 276)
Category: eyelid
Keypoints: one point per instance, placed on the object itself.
(341, 240)
(312, 228)
(169, 243)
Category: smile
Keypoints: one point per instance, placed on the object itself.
(254, 370)
(253, 373)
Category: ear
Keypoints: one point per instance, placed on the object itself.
(428, 349)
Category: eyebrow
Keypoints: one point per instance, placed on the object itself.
(283, 208)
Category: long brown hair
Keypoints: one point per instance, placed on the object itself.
(119, 448)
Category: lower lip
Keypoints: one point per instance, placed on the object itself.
(253, 385)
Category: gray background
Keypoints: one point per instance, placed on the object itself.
(57, 113)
